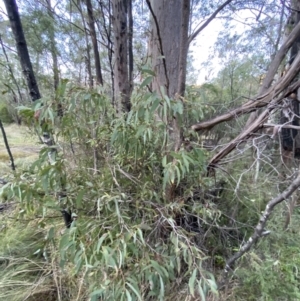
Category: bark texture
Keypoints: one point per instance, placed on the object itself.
(165, 44)
(121, 76)
(168, 48)
(16, 25)
(290, 139)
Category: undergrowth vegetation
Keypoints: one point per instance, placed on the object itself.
(127, 242)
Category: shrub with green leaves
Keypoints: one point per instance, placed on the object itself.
(126, 243)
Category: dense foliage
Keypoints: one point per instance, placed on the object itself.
(112, 172)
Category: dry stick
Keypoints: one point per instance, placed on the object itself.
(260, 228)
(13, 167)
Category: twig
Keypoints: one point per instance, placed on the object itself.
(13, 167)
(260, 228)
(287, 126)
(197, 31)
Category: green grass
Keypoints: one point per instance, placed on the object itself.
(23, 144)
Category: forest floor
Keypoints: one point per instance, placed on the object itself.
(23, 144)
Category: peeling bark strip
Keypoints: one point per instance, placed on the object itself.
(15, 22)
(260, 228)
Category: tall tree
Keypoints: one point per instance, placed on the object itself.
(168, 51)
(121, 76)
(53, 47)
(130, 47)
(91, 23)
(16, 25)
(88, 54)
(169, 42)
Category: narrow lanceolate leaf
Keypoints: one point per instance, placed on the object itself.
(129, 298)
(100, 241)
(192, 282)
(146, 81)
(162, 289)
(201, 292)
(135, 290)
(149, 71)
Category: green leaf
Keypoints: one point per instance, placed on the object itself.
(97, 292)
(50, 234)
(213, 285)
(192, 282)
(162, 289)
(200, 291)
(135, 290)
(157, 267)
(79, 198)
(129, 298)
(155, 104)
(140, 233)
(149, 71)
(146, 81)
(64, 242)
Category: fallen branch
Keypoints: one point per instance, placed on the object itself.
(259, 101)
(260, 228)
(254, 127)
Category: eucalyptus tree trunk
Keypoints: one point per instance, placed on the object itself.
(107, 27)
(130, 50)
(17, 29)
(121, 76)
(91, 23)
(168, 51)
(88, 54)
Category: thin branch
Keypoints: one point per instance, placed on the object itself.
(287, 126)
(195, 33)
(13, 167)
(260, 230)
